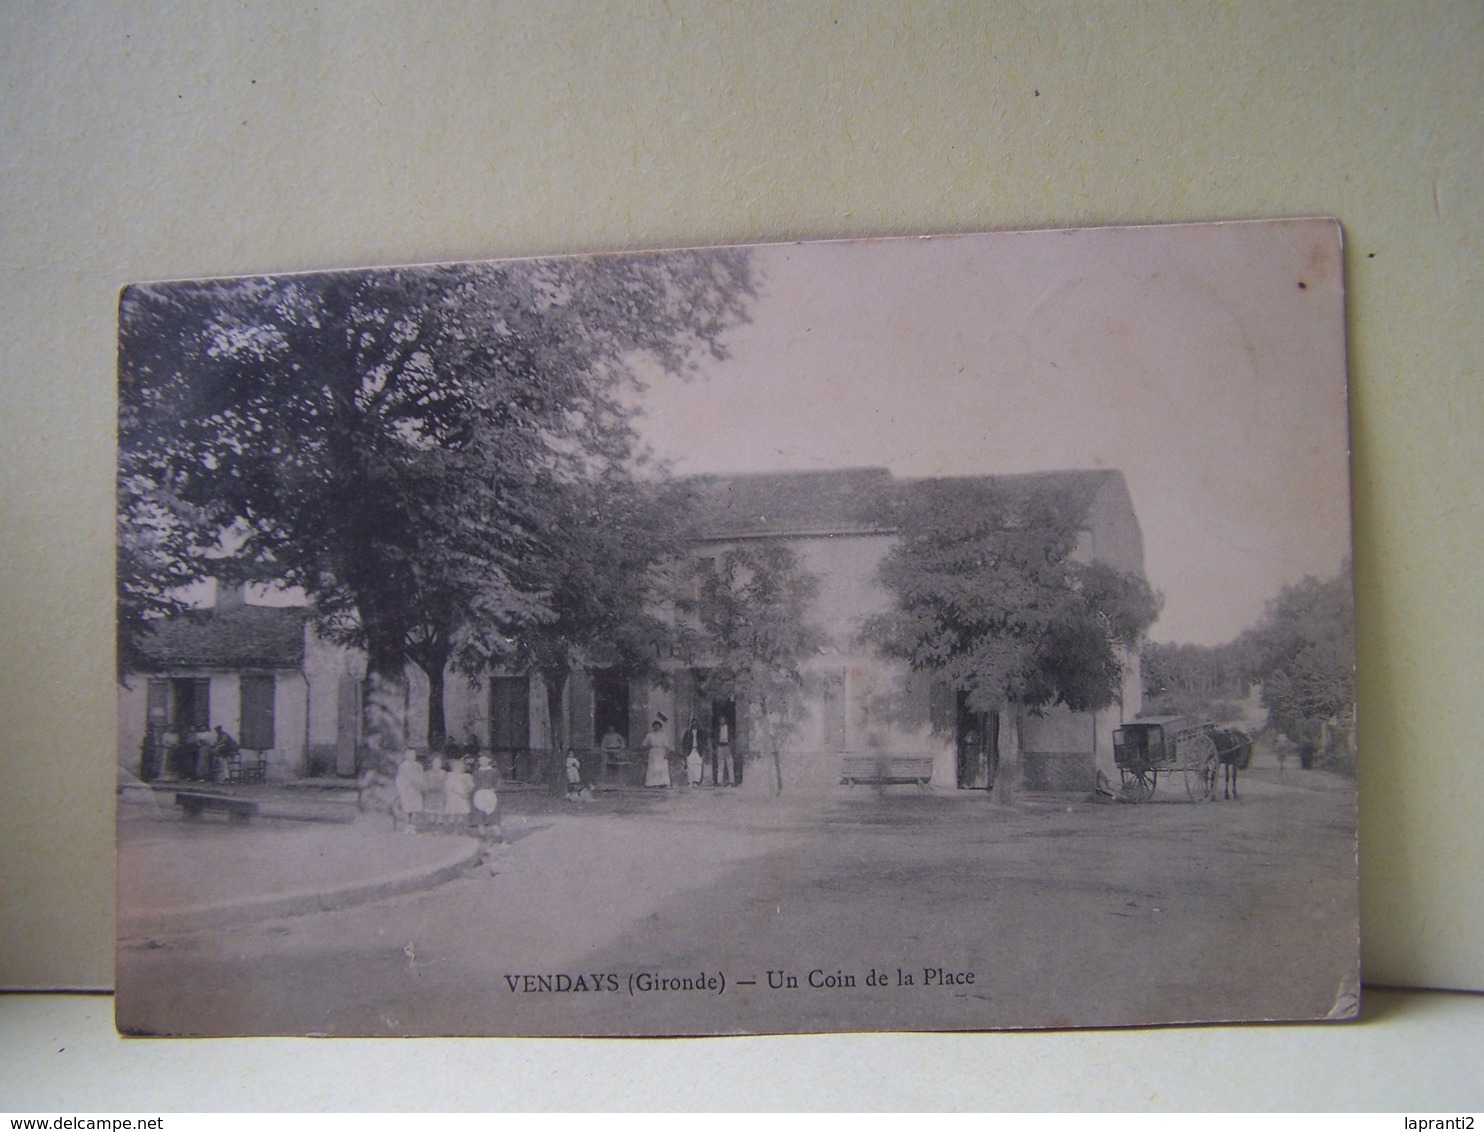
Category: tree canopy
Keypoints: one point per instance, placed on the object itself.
(402, 444)
(1304, 649)
(752, 607)
(605, 574)
(989, 597)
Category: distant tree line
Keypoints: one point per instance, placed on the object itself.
(1302, 652)
(1186, 677)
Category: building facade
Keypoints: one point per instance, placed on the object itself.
(259, 672)
(263, 674)
(861, 703)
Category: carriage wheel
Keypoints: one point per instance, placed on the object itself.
(1202, 766)
(1210, 776)
(1137, 784)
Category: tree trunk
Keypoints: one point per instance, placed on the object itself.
(386, 718)
(1007, 781)
(553, 760)
(437, 722)
(432, 658)
(773, 732)
(386, 695)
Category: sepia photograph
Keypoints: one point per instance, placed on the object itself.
(938, 633)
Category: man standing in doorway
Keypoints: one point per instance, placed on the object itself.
(695, 740)
(724, 767)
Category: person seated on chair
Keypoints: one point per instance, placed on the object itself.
(224, 749)
(613, 746)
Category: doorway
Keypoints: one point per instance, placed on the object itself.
(610, 702)
(977, 740)
(178, 709)
(510, 725)
(724, 725)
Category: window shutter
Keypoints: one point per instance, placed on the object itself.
(201, 704)
(159, 704)
(257, 713)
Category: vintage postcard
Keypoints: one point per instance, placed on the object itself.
(950, 633)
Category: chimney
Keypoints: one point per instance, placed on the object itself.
(229, 597)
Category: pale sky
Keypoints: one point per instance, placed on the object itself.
(1206, 362)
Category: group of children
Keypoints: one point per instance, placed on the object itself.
(447, 795)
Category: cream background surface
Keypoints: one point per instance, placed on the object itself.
(199, 139)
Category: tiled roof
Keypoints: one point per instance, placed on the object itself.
(1076, 489)
(251, 636)
(853, 500)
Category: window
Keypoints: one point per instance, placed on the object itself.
(159, 705)
(702, 583)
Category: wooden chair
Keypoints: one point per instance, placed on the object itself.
(247, 768)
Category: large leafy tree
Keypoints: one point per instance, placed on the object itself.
(752, 607)
(990, 598)
(605, 576)
(1304, 650)
(401, 444)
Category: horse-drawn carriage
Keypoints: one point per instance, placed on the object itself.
(1143, 749)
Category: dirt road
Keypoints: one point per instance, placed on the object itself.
(715, 912)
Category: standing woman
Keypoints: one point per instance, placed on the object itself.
(657, 773)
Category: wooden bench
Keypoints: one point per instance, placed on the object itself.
(887, 770)
(194, 805)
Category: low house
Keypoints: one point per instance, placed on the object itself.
(258, 671)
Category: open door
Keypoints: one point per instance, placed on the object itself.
(977, 738)
(510, 725)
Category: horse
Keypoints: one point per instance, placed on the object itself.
(1234, 749)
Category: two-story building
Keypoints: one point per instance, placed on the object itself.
(838, 524)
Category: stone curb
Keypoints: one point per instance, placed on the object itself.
(230, 913)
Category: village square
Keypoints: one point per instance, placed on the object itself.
(1057, 908)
